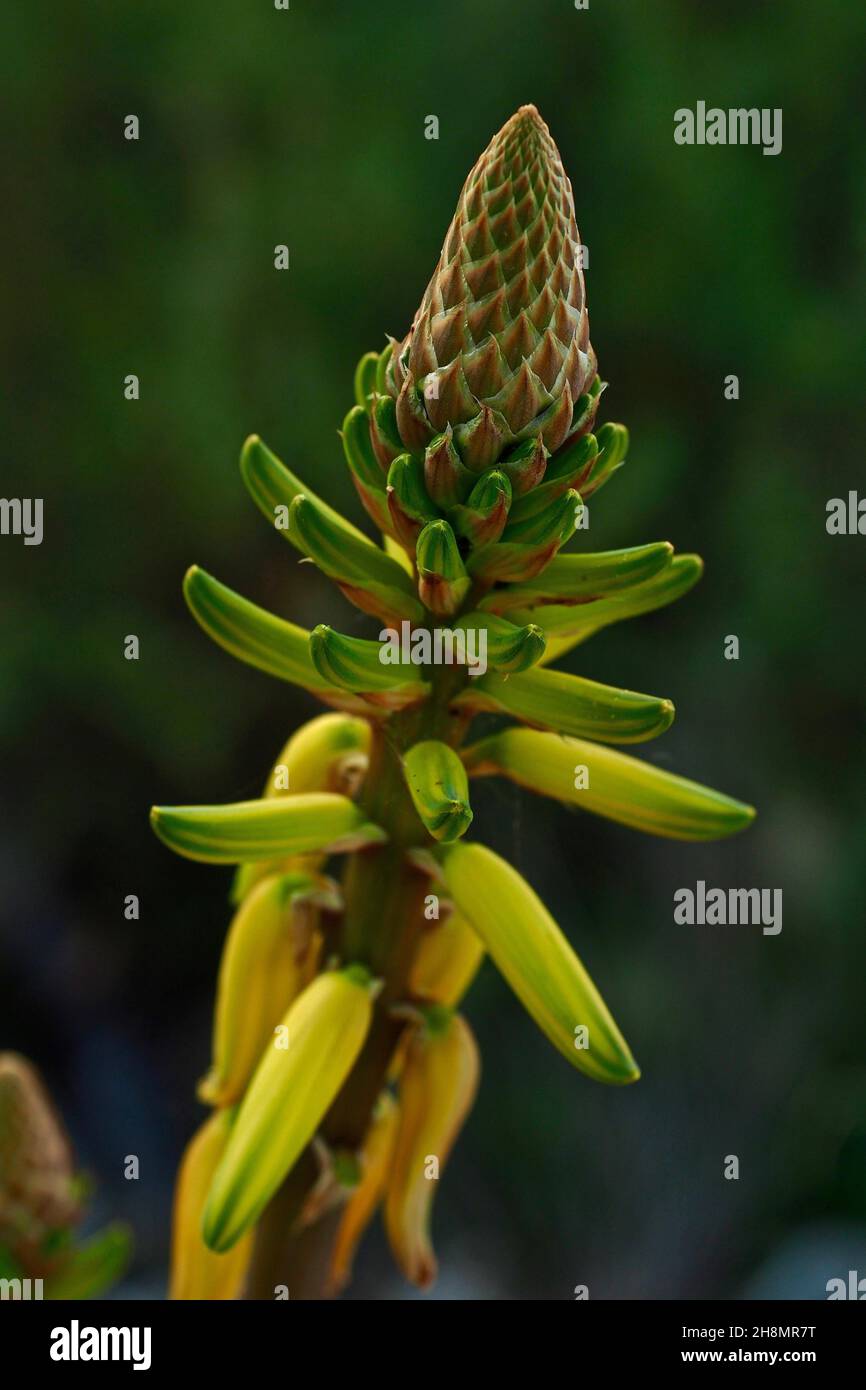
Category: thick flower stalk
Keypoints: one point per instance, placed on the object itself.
(43, 1198)
(342, 1069)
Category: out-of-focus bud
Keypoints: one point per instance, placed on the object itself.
(448, 958)
(196, 1271)
(375, 1161)
(270, 955)
(438, 1082)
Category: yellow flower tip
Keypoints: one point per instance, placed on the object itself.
(208, 1089)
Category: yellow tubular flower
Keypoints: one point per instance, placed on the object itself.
(300, 1073)
(535, 958)
(376, 1154)
(437, 1088)
(270, 955)
(196, 1271)
(449, 957)
(327, 754)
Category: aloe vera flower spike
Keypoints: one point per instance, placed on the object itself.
(364, 907)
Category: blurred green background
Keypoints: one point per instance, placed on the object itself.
(306, 127)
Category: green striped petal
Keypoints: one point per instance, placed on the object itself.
(608, 783)
(575, 578)
(273, 486)
(251, 633)
(249, 830)
(571, 705)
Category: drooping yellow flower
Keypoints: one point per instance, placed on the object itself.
(545, 973)
(196, 1271)
(300, 1072)
(376, 1154)
(270, 955)
(437, 1087)
(448, 958)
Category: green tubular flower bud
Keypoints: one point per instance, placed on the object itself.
(442, 579)
(565, 471)
(376, 1154)
(556, 522)
(409, 502)
(448, 958)
(90, 1268)
(608, 783)
(499, 348)
(481, 520)
(355, 664)
(270, 955)
(567, 627)
(585, 411)
(384, 378)
(251, 633)
(273, 488)
(365, 378)
(446, 477)
(509, 562)
(364, 467)
(532, 954)
(612, 449)
(571, 705)
(367, 576)
(384, 434)
(248, 830)
(509, 648)
(525, 466)
(438, 1083)
(575, 578)
(198, 1273)
(299, 1075)
(481, 441)
(439, 788)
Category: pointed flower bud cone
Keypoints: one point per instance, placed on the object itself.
(499, 348)
(437, 1087)
(537, 961)
(376, 1153)
(448, 958)
(270, 955)
(196, 1271)
(37, 1174)
(299, 1075)
(409, 502)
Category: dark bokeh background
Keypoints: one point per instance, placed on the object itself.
(260, 127)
